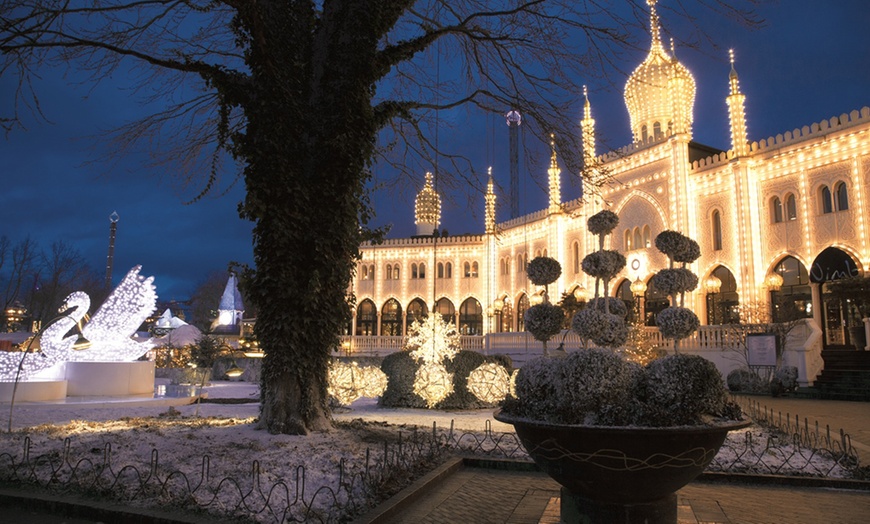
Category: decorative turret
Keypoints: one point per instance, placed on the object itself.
(555, 182)
(427, 209)
(660, 93)
(231, 309)
(489, 199)
(737, 113)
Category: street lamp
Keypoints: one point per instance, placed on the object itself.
(773, 282)
(638, 289)
(712, 285)
(581, 294)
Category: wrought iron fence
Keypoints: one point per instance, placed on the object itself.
(797, 450)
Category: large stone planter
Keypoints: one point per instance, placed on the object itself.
(620, 474)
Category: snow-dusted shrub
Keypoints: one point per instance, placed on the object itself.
(745, 380)
(677, 322)
(614, 305)
(784, 381)
(537, 393)
(543, 321)
(675, 281)
(597, 387)
(682, 390)
(613, 332)
(543, 270)
(603, 264)
(401, 369)
(587, 323)
(602, 223)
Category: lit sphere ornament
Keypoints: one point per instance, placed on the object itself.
(433, 383)
(489, 382)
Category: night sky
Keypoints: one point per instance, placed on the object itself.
(810, 62)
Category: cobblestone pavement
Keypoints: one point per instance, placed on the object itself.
(485, 496)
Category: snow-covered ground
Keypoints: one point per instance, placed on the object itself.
(227, 434)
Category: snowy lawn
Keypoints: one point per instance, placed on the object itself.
(227, 434)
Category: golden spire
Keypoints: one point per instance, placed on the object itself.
(737, 112)
(735, 85)
(654, 25)
(427, 211)
(555, 183)
(489, 201)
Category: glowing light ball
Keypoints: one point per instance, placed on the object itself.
(348, 382)
(433, 383)
(489, 382)
(433, 341)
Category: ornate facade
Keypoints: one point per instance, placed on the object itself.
(776, 220)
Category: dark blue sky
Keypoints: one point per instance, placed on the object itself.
(810, 62)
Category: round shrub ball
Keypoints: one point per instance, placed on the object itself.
(587, 323)
(613, 332)
(677, 246)
(543, 270)
(677, 322)
(596, 387)
(675, 281)
(603, 264)
(543, 321)
(680, 390)
(537, 391)
(602, 223)
(614, 305)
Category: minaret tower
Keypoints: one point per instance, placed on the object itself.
(427, 209)
(110, 259)
(514, 120)
(587, 134)
(489, 199)
(737, 113)
(555, 182)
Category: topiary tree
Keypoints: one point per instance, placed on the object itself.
(544, 320)
(400, 369)
(677, 322)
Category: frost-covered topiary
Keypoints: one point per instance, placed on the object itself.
(682, 390)
(613, 305)
(784, 381)
(602, 223)
(675, 281)
(598, 387)
(613, 332)
(587, 323)
(677, 246)
(543, 270)
(543, 321)
(603, 264)
(677, 323)
(537, 391)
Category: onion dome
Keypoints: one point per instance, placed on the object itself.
(660, 93)
(427, 209)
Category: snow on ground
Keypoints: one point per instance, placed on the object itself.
(227, 434)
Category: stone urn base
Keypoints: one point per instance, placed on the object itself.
(614, 474)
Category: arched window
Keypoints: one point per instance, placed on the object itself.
(448, 270)
(474, 270)
(826, 203)
(723, 304)
(417, 311)
(775, 210)
(365, 272)
(389, 272)
(790, 207)
(575, 248)
(501, 266)
(627, 240)
(366, 314)
(396, 272)
(440, 270)
(794, 297)
(842, 195)
(391, 319)
(716, 225)
(657, 130)
(466, 270)
(422, 270)
(638, 240)
(537, 253)
(372, 272)
(544, 252)
(646, 236)
(522, 306)
(470, 317)
(644, 134)
(521, 266)
(444, 307)
(414, 273)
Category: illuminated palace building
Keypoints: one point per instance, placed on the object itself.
(776, 221)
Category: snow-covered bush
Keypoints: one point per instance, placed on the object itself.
(784, 381)
(613, 333)
(675, 281)
(400, 369)
(677, 322)
(603, 264)
(613, 305)
(745, 381)
(602, 223)
(680, 390)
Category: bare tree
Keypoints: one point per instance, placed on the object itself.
(17, 266)
(300, 94)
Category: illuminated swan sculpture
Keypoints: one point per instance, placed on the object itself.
(110, 328)
(37, 361)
